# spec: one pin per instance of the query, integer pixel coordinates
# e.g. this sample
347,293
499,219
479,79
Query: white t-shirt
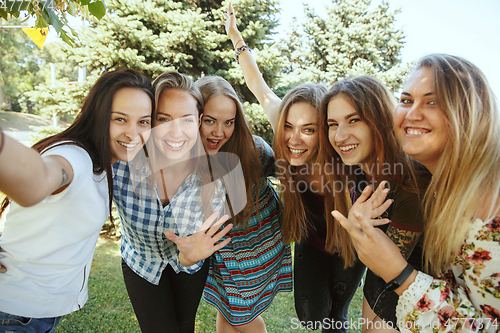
48,248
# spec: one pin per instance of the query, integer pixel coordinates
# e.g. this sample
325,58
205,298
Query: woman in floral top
448,119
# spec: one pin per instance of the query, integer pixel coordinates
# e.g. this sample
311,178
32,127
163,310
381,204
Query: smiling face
176,124
300,134
217,122
130,117
420,123
350,136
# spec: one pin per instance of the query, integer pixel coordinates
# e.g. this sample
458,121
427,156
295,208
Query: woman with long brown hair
324,283
245,275
359,115
447,119
60,193
166,199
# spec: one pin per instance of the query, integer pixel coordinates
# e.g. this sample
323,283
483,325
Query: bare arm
26,177
253,78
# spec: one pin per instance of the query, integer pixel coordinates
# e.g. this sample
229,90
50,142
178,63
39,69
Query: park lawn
108,308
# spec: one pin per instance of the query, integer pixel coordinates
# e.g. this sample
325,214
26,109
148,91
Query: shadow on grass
108,308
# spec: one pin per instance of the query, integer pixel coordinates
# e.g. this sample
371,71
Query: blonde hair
457,194
295,223
240,143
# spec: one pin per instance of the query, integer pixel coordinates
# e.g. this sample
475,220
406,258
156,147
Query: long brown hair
295,223
90,130
375,106
466,182
240,143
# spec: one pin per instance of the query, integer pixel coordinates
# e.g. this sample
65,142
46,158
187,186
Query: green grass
109,310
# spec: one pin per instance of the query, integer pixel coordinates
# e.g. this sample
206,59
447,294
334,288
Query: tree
161,35
20,62
351,39
61,100
52,12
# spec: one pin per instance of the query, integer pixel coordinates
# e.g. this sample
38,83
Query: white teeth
347,148
413,131
128,145
175,144
297,151
214,141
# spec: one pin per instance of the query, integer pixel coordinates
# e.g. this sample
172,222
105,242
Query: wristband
236,44
400,279
239,50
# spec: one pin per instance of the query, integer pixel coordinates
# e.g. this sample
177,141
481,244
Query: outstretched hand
375,249
203,243
230,23
372,206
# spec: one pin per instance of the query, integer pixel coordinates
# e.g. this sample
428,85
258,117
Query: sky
466,28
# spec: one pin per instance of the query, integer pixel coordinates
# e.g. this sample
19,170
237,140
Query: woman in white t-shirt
60,193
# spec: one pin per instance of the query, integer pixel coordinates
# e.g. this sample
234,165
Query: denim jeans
12,323
323,289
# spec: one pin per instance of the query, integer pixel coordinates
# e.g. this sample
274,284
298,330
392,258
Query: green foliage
351,39
258,122
61,99
113,228
41,132
20,62
53,13
155,36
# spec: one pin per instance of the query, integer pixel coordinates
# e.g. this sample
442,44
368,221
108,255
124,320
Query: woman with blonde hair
324,283
359,115
244,276
448,119
163,199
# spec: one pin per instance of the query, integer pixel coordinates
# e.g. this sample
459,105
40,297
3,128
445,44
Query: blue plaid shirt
144,246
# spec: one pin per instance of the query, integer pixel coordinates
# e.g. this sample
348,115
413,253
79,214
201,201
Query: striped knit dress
246,275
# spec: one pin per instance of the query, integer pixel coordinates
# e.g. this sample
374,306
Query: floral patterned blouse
467,297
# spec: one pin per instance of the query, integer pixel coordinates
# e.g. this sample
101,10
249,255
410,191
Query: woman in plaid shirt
163,198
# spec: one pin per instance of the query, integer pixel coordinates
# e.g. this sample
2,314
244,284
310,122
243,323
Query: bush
258,122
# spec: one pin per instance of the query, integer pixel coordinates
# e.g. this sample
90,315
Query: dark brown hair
90,130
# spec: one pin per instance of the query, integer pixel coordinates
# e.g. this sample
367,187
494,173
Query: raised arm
26,177
253,78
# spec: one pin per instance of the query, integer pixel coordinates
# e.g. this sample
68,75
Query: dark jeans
13,323
382,302
323,289
170,306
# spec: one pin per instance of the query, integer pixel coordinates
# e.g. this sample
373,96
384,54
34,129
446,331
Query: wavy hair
240,143
466,183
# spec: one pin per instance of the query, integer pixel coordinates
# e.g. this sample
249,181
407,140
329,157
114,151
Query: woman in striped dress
245,275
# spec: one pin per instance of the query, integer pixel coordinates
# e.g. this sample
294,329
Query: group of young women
176,155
